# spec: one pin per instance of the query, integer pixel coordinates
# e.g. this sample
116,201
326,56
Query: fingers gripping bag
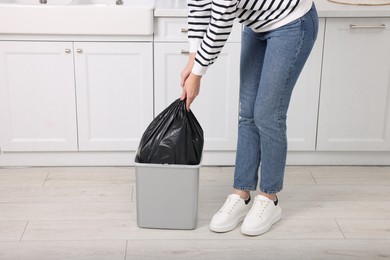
173,137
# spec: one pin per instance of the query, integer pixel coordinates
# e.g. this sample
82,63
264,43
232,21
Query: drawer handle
67,51
354,26
184,30
79,50
184,52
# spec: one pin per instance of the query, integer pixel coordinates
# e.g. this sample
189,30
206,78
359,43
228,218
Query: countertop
178,8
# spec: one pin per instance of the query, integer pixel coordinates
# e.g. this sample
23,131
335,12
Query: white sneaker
230,215
263,214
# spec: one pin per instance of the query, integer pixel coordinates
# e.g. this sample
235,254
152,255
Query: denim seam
293,64
289,73
312,21
244,188
270,192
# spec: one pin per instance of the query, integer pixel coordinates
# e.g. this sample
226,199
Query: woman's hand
189,82
191,89
187,69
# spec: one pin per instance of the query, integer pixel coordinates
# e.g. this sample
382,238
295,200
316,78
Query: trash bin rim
153,165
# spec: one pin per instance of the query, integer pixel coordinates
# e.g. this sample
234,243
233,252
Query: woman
277,38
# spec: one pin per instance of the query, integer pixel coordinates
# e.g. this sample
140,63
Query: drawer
175,30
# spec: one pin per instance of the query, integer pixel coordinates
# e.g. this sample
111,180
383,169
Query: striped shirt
210,23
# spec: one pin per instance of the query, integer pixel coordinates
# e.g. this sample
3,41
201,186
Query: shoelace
228,206
259,208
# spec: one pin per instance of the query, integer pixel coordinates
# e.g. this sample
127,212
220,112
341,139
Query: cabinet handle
67,50
184,30
354,26
79,51
184,52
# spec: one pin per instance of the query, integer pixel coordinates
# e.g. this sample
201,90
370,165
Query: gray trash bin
167,195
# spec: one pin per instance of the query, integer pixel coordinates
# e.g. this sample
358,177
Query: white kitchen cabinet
216,108
65,96
303,110
114,86
37,97
354,112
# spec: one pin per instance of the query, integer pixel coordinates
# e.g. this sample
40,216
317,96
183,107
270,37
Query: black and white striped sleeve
198,21
223,14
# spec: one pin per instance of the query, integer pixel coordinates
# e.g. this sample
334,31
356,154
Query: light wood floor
89,213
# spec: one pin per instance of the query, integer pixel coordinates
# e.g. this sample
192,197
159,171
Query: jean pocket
292,24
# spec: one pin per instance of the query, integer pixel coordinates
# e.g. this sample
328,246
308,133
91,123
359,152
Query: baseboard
210,158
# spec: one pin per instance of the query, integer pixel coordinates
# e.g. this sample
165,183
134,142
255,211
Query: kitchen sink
77,17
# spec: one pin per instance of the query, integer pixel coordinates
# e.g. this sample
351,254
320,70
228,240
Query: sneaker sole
226,228
261,230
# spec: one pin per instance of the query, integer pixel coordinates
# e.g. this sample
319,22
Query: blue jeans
270,66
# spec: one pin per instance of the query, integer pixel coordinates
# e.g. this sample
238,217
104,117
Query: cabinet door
37,97
303,110
114,83
355,91
216,108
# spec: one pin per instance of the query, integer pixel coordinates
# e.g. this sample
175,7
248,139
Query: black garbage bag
173,137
